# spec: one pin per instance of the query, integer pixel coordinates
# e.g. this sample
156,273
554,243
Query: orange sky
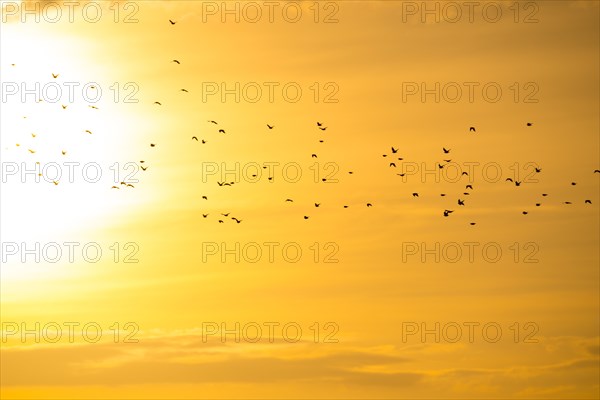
365,275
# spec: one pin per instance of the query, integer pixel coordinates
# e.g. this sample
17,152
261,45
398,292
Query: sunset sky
354,286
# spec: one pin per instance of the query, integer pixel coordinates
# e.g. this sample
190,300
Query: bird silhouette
469,187
401,174
194,138
205,215
440,166
573,183
529,124
115,187
394,151
525,213
306,217
55,76
415,194
517,183
313,156
176,61
588,202
183,90
64,153
568,202
172,22
447,212
270,127
144,168
447,161
88,131
538,204
471,223
289,200
225,214
236,220
205,198
472,129
152,145
538,170
393,164
212,122
544,194
319,124
369,205
323,128
203,141
156,102
317,204
64,107
221,130
221,221
446,151
461,202
597,171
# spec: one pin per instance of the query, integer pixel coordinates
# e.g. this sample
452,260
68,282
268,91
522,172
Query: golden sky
136,294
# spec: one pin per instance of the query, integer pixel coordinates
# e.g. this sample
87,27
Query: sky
245,200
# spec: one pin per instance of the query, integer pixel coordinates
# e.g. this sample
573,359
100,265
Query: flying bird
205,198
306,217
205,215
461,202
588,202
469,187
55,75
573,183
63,107
184,90
313,156
538,170
319,124
472,129
323,128
225,214
88,131
529,124
176,61
369,205
317,204
144,168
525,213
212,122
394,151
156,102
221,130
270,127
446,151
289,200
194,138
236,220
393,164
152,145
415,194
64,153
517,183
172,22
447,212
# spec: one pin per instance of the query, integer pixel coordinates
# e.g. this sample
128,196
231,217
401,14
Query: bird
94,107
394,151
525,213
221,130
55,183
447,212
440,166
317,204
55,75
144,168
588,202
152,145
33,135
270,126
345,206
461,202
544,194
225,214
313,156
538,204
205,215
464,173
221,221
32,151
184,90
88,131
176,61
517,183
350,172
194,138
323,128
567,202
573,183
529,124
212,122
469,187
157,102
289,200
115,187
509,180
130,185
401,174
385,155
64,153
64,107
471,223
369,205
319,124
236,220
205,198
320,141
306,217
393,164
538,170
172,22
472,129
597,171
447,160
442,194
446,151
415,194
203,141
467,193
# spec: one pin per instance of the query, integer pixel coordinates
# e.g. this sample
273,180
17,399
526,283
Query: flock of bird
460,201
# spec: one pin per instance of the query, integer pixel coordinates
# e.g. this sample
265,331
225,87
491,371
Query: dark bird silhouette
573,183
115,187
236,220
152,145
446,151
538,170
142,161
588,202
385,155
415,194
88,131
172,22
130,185
440,166
184,90
517,183
393,164
194,138
270,126
597,171
289,200
345,206
144,168
203,141
471,223
205,215
394,151
94,107
55,76
442,194
369,205
225,215
320,141
317,204
472,129
64,107
467,193
525,213
323,128
567,202
64,153
212,122
544,194
156,102
447,161
306,217
221,130
176,61
469,187
319,124
464,173
529,124
447,212
461,202
401,174
221,221
313,156
538,204
205,198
